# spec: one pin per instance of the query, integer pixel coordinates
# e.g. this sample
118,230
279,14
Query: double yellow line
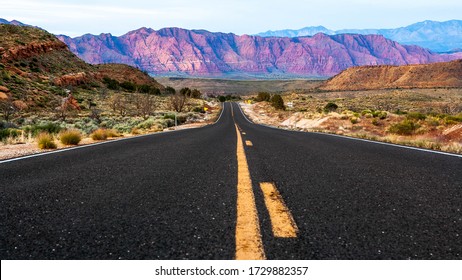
249,245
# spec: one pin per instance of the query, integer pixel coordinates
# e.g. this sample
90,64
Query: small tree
177,102
330,107
66,105
195,93
118,104
7,108
221,98
263,96
145,105
277,102
186,91
169,90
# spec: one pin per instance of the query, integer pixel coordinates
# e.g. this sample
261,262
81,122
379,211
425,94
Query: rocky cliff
175,51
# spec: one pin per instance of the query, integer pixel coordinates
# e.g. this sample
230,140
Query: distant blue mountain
434,35
13,22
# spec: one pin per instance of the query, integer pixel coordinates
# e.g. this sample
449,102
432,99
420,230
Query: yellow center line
282,222
248,143
249,245
243,133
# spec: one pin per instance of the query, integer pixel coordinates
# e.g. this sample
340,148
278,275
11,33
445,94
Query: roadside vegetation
426,118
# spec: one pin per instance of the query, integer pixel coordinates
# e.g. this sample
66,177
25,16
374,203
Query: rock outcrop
445,74
175,51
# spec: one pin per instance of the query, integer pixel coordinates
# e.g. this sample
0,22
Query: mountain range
437,36
180,52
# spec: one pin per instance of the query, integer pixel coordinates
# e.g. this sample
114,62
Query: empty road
233,190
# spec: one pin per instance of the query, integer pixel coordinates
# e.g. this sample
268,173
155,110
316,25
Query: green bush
128,86
9,132
330,107
405,127
169,90
354,120
221,98
365,112
277,102
416,116
456,118
147,124
111,83
52,128
46,141
70,137
263,96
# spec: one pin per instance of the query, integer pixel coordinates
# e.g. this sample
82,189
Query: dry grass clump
46,141
99,134
112,133
70,137
103,134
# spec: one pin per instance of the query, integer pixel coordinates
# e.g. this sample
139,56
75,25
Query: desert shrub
375,122
433,121
112,133
195,93
368,115
135,131
263,96
111,83
169,90
416,116
454,119
198,109
52,128
148,89
99,134
9,132
354,120
181,118
277,102
382,115
330,107
70,137
46,141
147,124
405,127
365,112
128,86
169,116
221,98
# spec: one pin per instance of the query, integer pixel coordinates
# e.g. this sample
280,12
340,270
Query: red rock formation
444,74
30,50
72,79
203,53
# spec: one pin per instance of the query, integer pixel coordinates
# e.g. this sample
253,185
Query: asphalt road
173,196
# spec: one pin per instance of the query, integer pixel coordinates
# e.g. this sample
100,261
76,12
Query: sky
75,18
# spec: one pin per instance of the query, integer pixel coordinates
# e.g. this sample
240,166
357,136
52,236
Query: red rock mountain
173,51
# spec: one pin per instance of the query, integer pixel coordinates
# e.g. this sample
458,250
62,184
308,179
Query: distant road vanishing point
233,190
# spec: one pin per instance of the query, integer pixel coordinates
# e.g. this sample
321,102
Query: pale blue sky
75,18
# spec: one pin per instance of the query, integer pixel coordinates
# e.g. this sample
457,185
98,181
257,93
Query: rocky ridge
435,75
176,51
